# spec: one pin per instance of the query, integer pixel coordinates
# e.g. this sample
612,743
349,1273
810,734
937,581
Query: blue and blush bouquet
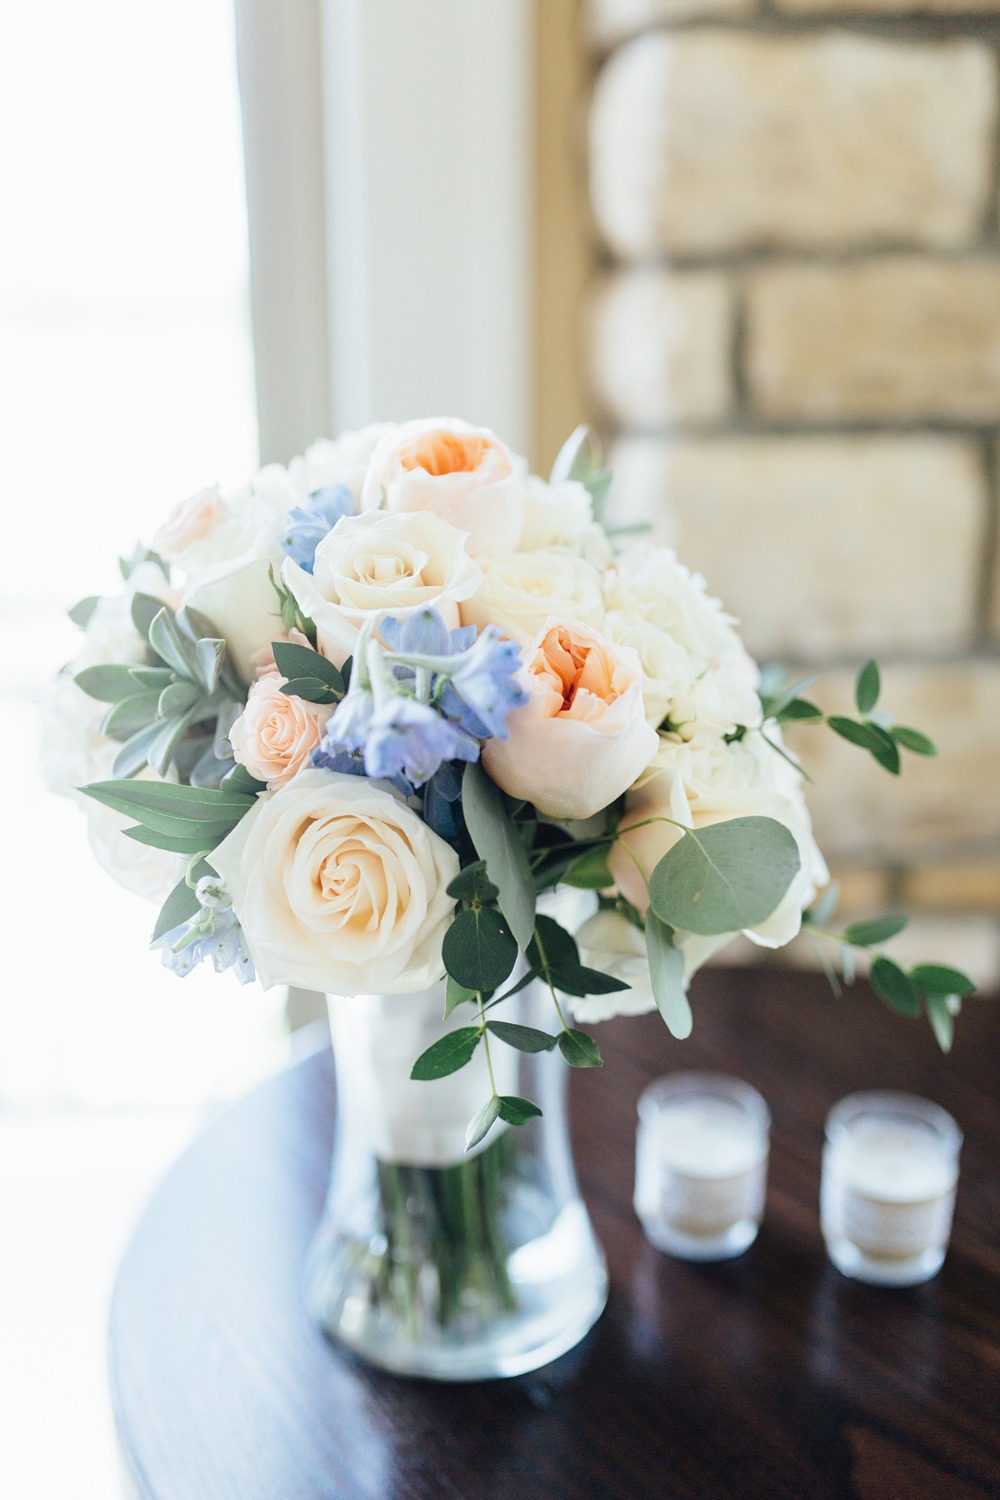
349,723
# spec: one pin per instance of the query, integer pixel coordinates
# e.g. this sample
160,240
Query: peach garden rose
582,738
465,474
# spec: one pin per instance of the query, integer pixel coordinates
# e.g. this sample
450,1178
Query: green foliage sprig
874,732
933,990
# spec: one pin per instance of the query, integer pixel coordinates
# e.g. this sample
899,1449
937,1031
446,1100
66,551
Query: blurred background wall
792,343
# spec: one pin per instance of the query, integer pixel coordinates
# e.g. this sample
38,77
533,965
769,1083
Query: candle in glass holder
701,1165
890,1167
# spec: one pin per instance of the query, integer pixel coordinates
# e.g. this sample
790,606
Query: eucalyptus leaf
579,1049
447,1055
180,906
294,661
724,877
472,884
913,740
517,1111
481,1122
666,971
498,842
893,986
523,1038
941,1020
877,930
455,994
939,979
479,949
552,945
867,687
309,688
576,979
591,871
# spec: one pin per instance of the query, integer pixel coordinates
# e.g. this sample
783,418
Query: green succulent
178,706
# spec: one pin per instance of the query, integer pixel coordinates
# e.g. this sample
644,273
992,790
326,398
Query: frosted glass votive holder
890,1168
701,1165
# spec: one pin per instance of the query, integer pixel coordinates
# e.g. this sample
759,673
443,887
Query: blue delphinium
307,524
427,700
214,933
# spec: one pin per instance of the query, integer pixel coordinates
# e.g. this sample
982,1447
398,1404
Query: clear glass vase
430,1261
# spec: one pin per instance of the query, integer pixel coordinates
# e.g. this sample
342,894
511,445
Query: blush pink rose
582,738
275,735
188,522
465,474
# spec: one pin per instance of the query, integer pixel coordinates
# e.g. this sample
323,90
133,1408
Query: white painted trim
280,74
428,169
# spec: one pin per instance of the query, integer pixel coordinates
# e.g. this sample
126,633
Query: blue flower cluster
423,703
214,933
307,524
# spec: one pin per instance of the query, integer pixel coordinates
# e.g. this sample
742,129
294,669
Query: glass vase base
553,1291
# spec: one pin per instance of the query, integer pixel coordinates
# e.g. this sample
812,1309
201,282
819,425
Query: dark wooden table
767,1376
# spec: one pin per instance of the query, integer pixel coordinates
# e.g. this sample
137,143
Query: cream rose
614,946
276,733
522,590
465,474
227,576
339,886
377,564
582,738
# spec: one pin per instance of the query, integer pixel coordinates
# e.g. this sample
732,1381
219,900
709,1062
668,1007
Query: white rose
651,582
614,946
343,461
465,474
668,670
227,576
339,886
554,514
521,590
380,564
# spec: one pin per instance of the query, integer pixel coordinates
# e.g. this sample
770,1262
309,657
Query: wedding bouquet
364,711
353,725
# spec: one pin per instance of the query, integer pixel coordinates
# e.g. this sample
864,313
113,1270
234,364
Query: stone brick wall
793,342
